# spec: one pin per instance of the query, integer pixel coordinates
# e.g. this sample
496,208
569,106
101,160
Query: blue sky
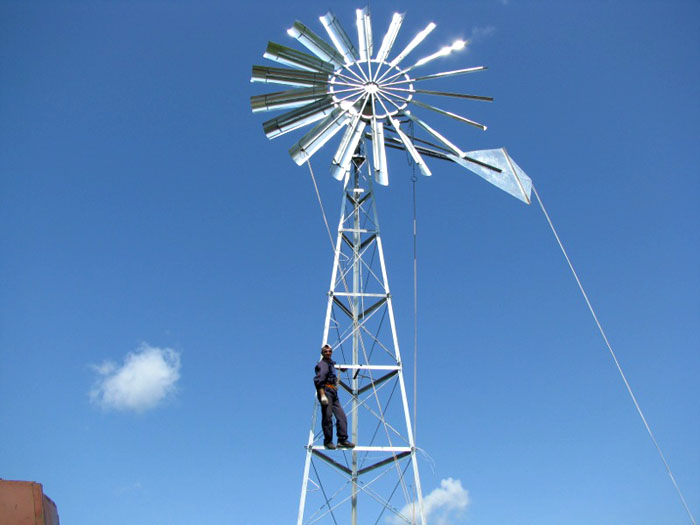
164,265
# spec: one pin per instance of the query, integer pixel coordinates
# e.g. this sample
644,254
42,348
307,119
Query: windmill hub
371,88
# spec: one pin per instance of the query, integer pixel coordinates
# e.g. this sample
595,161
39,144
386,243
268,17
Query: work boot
330,446
346,444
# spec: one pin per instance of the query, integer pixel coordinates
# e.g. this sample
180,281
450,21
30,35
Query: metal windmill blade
340,85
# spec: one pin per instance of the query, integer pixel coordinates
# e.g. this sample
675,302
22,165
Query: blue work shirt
325,373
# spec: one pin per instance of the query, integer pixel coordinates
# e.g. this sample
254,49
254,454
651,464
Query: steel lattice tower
359,324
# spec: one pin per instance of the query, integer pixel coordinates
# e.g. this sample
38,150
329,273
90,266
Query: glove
323,398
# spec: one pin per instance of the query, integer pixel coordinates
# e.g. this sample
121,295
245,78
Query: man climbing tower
326,383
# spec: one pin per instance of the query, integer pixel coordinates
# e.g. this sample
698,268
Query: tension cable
612,353
320,203
415,306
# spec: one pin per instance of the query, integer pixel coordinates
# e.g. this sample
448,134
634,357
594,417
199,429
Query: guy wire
320,203
617,363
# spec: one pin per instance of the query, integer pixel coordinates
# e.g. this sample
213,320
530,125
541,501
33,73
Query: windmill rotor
339,85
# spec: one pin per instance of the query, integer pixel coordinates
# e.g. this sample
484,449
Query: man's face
326,352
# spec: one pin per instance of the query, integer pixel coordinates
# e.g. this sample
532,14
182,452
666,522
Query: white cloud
147,377
481,33
129,489
443,506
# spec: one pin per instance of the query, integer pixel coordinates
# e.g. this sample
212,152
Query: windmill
370,96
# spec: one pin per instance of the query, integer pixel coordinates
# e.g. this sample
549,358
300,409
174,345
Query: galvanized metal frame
359,302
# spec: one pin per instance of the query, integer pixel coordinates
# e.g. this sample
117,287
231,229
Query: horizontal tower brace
373,307
344,308
317,452
368,367
390,459
364,243
331,461
372,384
360,294
360,448
367,241
377,382
361,315
358,201
356,230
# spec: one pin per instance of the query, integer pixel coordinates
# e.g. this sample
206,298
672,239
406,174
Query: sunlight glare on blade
457,45
339,37
413,43
364,33
390,37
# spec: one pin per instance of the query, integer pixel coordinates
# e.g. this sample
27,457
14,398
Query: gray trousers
333,408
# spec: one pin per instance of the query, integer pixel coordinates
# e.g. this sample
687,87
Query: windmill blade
449,114
511,178
289,77
420,144
407,142
315,44
318,136
297,118
444,74
430,149
339,37
364,33
292,57
413,43
381,174
390,37
348,145
442,93
437,135
456,95
292,98
411,148
442,52
395,143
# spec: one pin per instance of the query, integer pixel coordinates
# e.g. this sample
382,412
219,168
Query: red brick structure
24,503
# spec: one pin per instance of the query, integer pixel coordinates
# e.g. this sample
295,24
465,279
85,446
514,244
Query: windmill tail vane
368,95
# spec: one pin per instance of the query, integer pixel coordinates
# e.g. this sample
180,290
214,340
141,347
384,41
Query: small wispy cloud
133,488
147,377
443,506
481,33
